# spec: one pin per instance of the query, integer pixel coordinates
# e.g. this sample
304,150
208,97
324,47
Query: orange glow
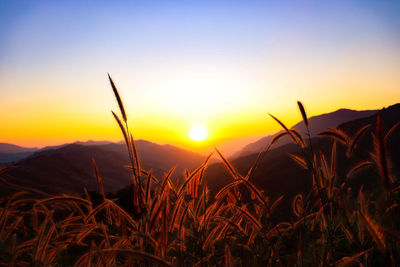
217,70
232,102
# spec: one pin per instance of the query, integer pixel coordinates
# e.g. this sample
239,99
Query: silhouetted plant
179,223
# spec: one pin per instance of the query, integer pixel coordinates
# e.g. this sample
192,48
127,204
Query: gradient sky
223,64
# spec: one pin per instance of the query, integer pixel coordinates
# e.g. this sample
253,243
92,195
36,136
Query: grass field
179,223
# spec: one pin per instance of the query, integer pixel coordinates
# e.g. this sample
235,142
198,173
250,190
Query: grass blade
120,104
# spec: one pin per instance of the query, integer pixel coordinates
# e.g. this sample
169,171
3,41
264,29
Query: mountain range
68,168
279,175
14,153
317,124
10,153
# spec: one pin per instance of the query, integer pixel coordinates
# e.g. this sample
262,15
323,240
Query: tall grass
179,223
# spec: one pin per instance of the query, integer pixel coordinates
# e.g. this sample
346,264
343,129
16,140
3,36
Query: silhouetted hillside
317,124
10,148
278,174
10,152
69,168
8,158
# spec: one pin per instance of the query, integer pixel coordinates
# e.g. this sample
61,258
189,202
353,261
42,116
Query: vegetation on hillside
179,223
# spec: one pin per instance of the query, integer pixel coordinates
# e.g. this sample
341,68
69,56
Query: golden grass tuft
303,112
119,100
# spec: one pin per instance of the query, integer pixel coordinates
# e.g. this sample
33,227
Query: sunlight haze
222,64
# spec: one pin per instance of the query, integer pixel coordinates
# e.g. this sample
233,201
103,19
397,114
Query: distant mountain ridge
83,143
317,124
13,153
10,153
69,168
11,148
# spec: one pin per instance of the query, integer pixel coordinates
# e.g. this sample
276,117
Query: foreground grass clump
179,223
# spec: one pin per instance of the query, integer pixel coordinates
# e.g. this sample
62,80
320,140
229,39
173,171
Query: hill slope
317,124
69,168
279,175
10,152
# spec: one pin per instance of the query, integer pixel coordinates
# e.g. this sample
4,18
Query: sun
198,133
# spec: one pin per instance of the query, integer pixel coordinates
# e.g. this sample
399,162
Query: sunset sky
220,64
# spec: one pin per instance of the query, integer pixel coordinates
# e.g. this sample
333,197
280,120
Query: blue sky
55,30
